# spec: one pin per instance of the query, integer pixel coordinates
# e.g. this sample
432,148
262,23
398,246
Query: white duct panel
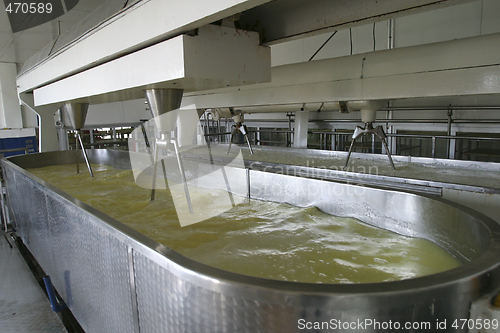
136,27
216,57
456,68
461,53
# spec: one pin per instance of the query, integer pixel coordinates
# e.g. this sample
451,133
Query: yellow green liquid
257,238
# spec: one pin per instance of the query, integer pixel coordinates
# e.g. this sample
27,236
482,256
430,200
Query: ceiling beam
282,20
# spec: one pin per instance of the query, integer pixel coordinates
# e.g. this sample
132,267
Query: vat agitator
115,279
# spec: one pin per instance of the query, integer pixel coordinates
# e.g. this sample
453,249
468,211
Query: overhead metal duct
453,68
120,34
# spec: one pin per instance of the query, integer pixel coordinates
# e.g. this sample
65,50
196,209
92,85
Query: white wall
10,111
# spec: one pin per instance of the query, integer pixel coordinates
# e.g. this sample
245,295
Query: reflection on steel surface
175,134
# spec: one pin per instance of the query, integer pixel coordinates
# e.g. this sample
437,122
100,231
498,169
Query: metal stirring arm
243,129
183,175
79,140
369,129
163,143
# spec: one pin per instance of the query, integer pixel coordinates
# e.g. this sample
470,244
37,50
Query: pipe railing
14,150
335,138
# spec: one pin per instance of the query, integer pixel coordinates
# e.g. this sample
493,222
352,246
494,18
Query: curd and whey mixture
263,239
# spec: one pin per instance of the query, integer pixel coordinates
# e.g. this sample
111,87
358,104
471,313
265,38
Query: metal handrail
324,133
13,150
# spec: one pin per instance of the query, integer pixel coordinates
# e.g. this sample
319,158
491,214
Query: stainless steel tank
115,279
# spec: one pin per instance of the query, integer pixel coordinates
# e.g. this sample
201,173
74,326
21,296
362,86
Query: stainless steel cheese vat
115,279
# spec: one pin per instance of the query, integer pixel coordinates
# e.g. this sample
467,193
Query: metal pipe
450,120
217,134
433,147
113,136
390,41
249,145
13,150
91,131
85,154
388,152
274,131
373,143
2,202
444,137
183,176
349,154
439,108
385,121
77,155
270,141
155,166
207,128
323,45
420,136
218,130
104,142
56,306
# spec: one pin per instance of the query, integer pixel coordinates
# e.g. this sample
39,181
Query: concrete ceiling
19,47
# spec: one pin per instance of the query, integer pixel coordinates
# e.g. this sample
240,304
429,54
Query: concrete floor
23,304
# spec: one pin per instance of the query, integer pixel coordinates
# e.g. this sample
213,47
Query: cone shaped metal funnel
74,115
162,101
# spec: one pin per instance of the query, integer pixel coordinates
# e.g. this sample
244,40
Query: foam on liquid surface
257,238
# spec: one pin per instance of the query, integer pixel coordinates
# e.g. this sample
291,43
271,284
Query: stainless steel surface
87,265
74,115
87,253
472,176
162,101
369,129
24,308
